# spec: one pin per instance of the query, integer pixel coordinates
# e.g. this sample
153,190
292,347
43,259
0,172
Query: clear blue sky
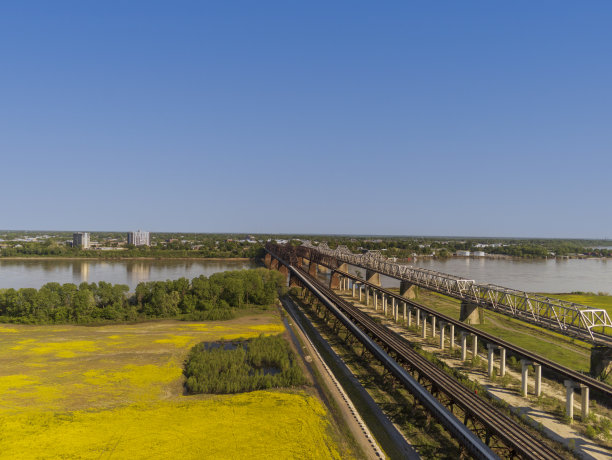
428,118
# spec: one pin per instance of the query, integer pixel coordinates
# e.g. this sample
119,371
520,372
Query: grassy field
571,353
117,392
592,300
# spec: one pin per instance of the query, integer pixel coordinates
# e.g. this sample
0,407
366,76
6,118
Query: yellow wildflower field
117,392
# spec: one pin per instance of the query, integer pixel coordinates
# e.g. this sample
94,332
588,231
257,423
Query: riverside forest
219,296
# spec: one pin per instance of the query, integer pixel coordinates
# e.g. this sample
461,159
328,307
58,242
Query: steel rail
552,365
466,437
509,432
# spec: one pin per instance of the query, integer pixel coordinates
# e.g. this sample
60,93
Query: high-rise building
80,240
139,238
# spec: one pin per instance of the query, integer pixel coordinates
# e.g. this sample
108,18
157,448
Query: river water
591,275
552,276
34,273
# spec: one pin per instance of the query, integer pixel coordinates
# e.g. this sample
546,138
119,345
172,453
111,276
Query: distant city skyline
445,118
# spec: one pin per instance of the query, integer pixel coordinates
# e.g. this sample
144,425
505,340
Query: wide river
35,273
592,275
553,276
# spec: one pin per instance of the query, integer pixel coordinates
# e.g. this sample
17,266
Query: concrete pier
538,378
373,277
407,290
584,401
418,317
424,331
395,309
490,359
375,295
409,314
524,376
474,345
442,327
452,336
469,313
502,361
354,289
433,326
569,399
367,289
360,292
463,346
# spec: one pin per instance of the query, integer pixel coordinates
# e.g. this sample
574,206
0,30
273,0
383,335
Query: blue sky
415,118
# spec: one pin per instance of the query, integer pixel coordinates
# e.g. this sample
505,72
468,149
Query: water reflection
80,272
137,272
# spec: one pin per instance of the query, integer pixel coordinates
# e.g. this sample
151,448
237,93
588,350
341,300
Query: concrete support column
490,359
463,346
396,309
502,361
384,303
433,326
418,317
452,336
360,292
469,313
584,401
353,289
424,331
407,290
373,277
375,295
569,399
367,289
474,346
442,327
524,376
409,313
538,378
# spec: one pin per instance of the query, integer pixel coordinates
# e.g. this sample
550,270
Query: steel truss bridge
564,317
492,433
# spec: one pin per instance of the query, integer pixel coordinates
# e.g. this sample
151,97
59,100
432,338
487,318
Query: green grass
591,300
570,353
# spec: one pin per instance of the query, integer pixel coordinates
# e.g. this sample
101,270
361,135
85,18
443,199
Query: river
34,273
590,275
553,276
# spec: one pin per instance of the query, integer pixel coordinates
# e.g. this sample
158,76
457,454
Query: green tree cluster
257,364
211,298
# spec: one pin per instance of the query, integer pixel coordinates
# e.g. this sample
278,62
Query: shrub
257,364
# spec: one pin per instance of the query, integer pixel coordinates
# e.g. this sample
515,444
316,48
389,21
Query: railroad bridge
565,318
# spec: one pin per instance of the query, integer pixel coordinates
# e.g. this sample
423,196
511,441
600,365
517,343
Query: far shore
106,259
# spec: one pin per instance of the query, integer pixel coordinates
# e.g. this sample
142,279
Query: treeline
224,249
441,248
213,298
257,364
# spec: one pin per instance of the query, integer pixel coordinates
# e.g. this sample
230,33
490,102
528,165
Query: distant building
479,254
463,253
139,238
80,240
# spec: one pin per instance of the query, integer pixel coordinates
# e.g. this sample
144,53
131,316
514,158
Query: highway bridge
492,433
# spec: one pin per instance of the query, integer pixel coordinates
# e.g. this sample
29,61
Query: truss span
565,317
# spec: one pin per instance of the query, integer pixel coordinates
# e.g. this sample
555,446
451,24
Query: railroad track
519,441
566,372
